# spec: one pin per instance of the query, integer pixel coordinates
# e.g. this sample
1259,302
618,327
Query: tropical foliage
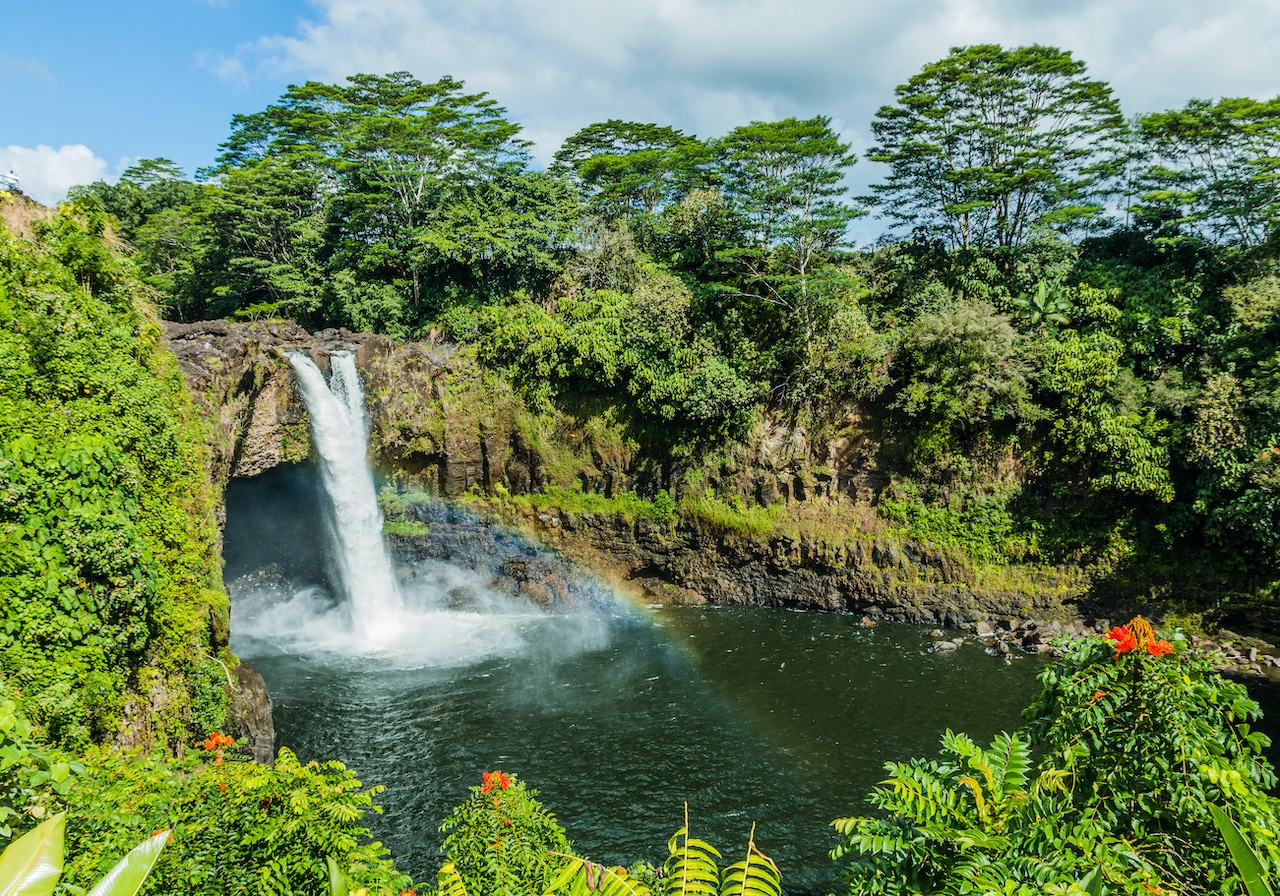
110,580
1139,744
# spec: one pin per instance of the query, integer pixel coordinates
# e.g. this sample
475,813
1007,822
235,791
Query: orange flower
217,740
494,778
1098,695
1138,635
1159,648
1122,639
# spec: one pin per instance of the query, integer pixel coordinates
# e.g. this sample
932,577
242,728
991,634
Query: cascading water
341,437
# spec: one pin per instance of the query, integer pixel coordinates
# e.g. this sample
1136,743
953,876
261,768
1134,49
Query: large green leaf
32,864
1247,861
755,875
126,878
338,884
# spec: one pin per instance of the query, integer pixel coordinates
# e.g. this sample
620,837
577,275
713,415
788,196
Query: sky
87,88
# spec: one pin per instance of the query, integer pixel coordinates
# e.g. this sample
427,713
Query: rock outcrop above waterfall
441,422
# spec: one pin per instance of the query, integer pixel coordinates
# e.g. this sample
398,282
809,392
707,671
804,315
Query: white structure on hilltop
9,181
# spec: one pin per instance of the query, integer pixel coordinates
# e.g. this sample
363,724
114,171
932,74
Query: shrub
1138,738
501,841
238,827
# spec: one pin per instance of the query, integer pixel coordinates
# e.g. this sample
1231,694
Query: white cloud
708,65
47,173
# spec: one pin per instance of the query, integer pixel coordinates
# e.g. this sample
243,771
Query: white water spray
341,438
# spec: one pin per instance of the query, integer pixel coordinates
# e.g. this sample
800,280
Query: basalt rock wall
443,424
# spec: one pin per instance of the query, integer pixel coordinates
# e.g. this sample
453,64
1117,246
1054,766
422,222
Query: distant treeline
1066,340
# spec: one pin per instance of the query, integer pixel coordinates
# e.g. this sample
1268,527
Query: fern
584,878
450,881
755,875
691,864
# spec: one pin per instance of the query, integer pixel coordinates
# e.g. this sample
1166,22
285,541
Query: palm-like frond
585,878
450,883
691,864
755,875
1010,761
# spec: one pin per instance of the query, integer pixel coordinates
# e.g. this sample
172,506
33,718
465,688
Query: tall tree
1214,170
147,187
784,179
405,147
625,168
988,143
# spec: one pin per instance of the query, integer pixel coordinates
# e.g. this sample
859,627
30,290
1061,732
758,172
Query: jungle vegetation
1067,337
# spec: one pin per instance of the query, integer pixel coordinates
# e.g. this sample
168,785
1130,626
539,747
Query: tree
987,144
397,163
1214,170
784,179
405,147
147,188
624,168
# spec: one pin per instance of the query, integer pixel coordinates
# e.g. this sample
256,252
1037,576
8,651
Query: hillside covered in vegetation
113,625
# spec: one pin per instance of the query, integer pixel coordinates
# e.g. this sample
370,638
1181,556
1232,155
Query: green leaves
691,865
630,169
127,877
755,875
582,877
501,842
104,492
32,864
691,869
1212,171
1246,860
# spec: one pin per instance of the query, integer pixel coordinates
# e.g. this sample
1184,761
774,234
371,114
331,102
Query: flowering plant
1138,635
215,744
501,840
494,779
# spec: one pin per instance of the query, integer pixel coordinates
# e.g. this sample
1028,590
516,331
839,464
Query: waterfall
341,437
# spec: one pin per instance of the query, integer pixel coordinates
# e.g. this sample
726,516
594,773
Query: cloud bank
708,65
47,173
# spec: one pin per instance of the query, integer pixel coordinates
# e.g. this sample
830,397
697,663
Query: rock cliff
441,424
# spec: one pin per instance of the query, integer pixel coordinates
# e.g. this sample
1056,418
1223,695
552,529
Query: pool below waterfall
619,715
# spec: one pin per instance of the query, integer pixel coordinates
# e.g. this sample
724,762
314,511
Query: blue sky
88,87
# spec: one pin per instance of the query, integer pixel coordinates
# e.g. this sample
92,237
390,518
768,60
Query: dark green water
620,716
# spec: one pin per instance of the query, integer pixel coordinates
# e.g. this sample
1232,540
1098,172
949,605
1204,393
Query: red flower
1159,648
217,740
495,778
1123,639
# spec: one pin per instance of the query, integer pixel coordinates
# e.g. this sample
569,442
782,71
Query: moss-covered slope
112,614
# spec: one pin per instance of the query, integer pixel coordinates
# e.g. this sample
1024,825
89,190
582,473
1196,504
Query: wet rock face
249,715
240,378
687,566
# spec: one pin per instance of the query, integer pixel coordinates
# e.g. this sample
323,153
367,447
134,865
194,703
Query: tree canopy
987,144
